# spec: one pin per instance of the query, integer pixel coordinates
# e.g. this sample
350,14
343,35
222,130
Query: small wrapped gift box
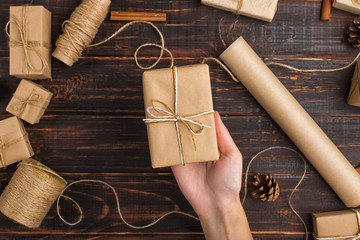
352,6
179,115
29,101
354,94
260,9
30,39
339,224
14,142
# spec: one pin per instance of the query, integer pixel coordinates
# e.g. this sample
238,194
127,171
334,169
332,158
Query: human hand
213,189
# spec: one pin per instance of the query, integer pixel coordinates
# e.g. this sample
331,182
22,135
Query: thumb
225,142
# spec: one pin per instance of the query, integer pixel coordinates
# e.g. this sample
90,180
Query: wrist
226,222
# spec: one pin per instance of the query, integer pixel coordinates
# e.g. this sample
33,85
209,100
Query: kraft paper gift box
352,6
14,142
30,39
174,133
29,101
343,224
354,94
260,9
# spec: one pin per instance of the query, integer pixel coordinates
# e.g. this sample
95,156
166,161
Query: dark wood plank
110,86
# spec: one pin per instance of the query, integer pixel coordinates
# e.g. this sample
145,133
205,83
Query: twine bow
4,145
351,237
33,99
166,114
25,43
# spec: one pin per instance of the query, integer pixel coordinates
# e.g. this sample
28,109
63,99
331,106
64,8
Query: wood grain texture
93,127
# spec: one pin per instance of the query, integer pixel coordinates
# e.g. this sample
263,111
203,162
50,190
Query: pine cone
354,33
264,187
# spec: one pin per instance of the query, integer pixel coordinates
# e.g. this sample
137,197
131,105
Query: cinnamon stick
326,10
137,16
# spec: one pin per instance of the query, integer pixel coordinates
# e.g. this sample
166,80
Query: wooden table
93,127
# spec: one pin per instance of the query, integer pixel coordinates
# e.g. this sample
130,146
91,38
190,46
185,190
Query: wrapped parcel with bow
29,42
179,115
29,101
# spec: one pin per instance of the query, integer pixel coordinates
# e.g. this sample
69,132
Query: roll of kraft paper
294,120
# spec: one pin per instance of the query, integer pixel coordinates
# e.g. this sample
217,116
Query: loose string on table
117,205
25,43
315,70
351,237
79,31
166,114
294,189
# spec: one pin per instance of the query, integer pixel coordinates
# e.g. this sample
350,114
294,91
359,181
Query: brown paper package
335,224
354,93
352,6
34,24
294,120
14,142
194,97
29,102
259,9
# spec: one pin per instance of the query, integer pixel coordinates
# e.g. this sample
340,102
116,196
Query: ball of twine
80,30
30,193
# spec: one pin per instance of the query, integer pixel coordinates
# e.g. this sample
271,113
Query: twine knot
166,114
33,99
25,43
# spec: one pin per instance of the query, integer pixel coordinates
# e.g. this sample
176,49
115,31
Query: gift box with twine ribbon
29,101
259,9
29,42
14,142
179,115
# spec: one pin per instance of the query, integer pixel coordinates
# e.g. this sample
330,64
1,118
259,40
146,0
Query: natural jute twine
81,28
172,212
293,190
34,188
30,193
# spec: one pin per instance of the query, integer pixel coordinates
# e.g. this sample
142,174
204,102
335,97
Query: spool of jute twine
30,193
34,188
80,30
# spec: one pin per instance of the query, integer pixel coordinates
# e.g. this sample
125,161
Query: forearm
228,223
